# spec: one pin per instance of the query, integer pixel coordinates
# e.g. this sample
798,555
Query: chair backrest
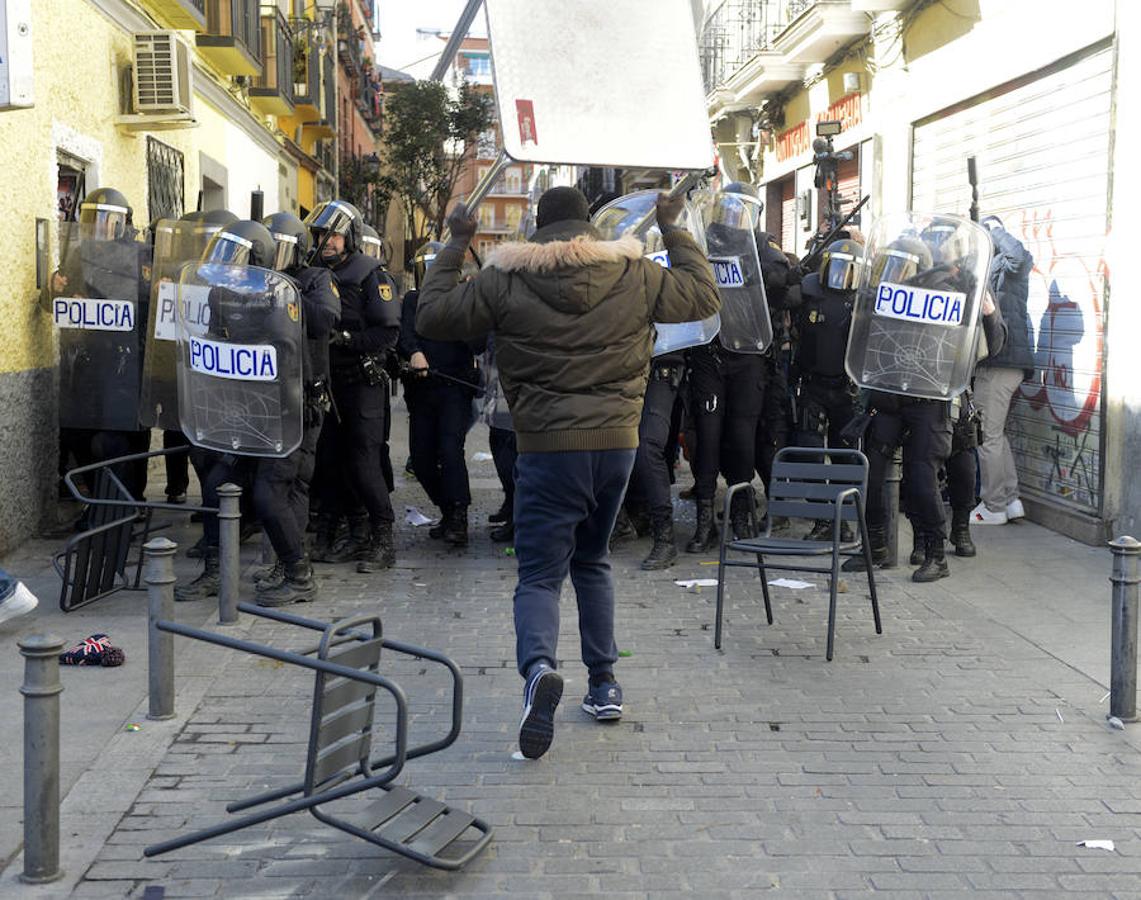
95,560
340,730
807,480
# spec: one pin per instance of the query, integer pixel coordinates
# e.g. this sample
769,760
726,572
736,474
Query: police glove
669,209
461,223
339,338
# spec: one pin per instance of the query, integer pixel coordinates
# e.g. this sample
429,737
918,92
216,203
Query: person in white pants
997,378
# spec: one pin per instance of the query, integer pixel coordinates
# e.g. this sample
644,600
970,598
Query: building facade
176,103
1029,88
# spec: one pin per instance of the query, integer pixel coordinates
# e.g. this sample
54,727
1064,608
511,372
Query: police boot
664,552
269,578
641,521
380,552
918,552
206,585
455,527
739,517
623,529
961,532
355,545
297,586
323,539
877,544
821,531
436,532
505,532
705,536
934,564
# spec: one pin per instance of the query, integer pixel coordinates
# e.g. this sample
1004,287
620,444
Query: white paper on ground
1097,845
415,518
481,456
697,582
791,583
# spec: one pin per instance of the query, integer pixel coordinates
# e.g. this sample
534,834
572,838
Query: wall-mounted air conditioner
162,83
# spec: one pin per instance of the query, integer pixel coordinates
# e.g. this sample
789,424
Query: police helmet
424,259
946,244
371,245
104,215
291,238
741,187
900,261
840,265
243,243
337,217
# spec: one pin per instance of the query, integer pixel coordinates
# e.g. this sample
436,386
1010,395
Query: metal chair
807,483
93,562
341,729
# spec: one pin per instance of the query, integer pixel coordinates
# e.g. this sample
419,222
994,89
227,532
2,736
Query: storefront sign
794,141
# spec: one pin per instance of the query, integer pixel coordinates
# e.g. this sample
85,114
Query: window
514,214
478,65
486,216
514,181
165,181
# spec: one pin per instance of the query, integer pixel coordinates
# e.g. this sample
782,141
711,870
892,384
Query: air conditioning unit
162,83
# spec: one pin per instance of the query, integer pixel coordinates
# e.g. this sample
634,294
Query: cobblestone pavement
964,751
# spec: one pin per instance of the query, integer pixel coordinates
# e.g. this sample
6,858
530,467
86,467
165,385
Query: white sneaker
980,515
15,599
1015,510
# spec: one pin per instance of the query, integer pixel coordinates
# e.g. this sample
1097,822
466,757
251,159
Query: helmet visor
102,221
228,248
896,266
330,217
840,271
370,246
284,251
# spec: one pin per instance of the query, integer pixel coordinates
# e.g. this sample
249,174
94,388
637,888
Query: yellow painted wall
76,94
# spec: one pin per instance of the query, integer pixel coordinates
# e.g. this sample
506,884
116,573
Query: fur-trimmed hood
576,253
566,266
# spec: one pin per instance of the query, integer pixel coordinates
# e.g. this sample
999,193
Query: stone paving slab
963,753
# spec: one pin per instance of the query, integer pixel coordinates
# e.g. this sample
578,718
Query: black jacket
823,322
1010,282
321,312
453,358
370,313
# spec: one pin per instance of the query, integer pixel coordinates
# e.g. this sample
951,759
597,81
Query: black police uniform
351,439
440,413
649,488
827,397
782,289
281,486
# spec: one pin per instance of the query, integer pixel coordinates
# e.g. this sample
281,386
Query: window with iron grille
166,196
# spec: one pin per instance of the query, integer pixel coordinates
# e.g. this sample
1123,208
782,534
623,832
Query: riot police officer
439,383
351,441
728,384
281,486
241,243
101,371
826,396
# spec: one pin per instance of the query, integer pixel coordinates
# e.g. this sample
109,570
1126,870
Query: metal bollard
41,690
229,539
159,556
1123,639
892,478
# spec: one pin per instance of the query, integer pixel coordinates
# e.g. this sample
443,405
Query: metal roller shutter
1043,153
788,214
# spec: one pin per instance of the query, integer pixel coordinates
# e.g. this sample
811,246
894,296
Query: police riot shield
915,324
240,343
729,222
96,298
177,243
622,217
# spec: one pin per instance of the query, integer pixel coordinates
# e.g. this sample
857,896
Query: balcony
818,28
189,14
272,91
351,50
232,41
370,101
306,71
325,126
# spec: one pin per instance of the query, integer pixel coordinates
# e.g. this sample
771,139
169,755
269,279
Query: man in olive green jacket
573,321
